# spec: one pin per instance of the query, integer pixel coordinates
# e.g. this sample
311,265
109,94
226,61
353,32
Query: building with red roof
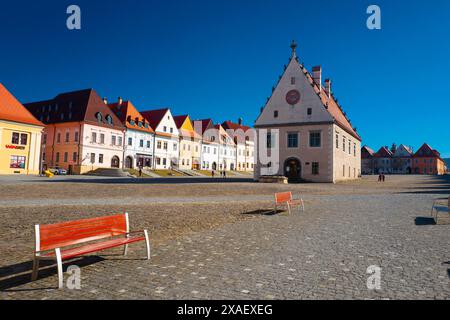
81,132
166,149
428,161
190,143
243,137
307,134
139,135
20,137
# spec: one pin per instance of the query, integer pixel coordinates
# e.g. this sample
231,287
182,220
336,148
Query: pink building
81,133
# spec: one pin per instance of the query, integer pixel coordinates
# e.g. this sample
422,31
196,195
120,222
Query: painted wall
9,150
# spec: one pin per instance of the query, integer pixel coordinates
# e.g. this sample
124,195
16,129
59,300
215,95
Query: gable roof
200,126
367,153
329,102
75,106
236,127
425,151
12,110
402,148
383,153
154,117
180,121
130,117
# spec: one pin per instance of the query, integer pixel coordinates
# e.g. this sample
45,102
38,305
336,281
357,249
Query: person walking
224,174
212,173
140,171
383,177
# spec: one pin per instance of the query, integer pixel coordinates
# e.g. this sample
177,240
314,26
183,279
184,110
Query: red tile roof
383,153
75,106
367,153
425,151
12,110
130,117
205,124
154,117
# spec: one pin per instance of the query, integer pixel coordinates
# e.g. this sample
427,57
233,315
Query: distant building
367,160
166,153
428,161
210,144
227,149
383,161
243,137
190,143
81,133
401,159
139,136
307,130
20,137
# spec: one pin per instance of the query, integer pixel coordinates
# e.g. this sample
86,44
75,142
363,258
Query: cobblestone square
213,239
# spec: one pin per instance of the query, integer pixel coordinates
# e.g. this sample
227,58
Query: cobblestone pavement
322,253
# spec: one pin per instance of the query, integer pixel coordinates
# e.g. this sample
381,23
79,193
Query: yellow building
190,144
20,137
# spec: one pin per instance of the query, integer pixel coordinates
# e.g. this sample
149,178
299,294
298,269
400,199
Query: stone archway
129,162
115,162
293,169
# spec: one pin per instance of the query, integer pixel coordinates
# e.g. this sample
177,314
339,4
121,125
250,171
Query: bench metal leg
60,268
289,208
303,205
147,242
125,249
34,275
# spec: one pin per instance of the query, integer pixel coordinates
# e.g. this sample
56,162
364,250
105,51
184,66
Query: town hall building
302,131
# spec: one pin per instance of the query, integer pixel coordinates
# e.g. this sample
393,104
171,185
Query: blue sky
219,59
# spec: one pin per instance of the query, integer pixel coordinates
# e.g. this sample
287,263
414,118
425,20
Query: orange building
428,161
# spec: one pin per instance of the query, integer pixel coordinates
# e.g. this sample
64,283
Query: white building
139,136
166,149
209,156
227,150
243,137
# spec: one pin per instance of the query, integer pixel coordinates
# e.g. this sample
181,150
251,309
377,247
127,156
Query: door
115,162
293,169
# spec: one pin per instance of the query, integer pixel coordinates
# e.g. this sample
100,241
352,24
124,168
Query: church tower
302,131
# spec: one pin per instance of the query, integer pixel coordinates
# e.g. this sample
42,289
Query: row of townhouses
80,132
402,160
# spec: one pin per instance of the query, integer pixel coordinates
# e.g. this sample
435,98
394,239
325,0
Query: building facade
166,150
139,136
401,159
383,161
303,133
20,137
190,144
209,157
81,133
367,160
428,161
243,137
227,149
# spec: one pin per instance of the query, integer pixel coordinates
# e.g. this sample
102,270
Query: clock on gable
293,97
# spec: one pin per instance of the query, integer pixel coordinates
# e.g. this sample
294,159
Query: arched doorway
232,166
293,169
129,162
115,162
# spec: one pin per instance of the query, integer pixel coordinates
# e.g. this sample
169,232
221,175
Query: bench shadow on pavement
264,212
19,274
424,221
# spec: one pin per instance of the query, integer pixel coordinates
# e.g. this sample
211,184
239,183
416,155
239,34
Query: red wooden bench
66,240
285,198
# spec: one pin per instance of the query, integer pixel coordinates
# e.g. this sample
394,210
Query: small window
94,138
314,139
113,140
141,143
23,139
67,136
74,157
292,80
92,157
269,140
292,140
102,138
165,146
15,138
58,137
99,116
164,128
76,136
119,142
309,111
148,144
57,157
315,168
130,141
100,158
275,114
66,156
337,141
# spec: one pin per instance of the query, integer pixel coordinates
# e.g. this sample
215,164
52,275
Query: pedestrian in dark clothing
224,174
140,171
212,173
379,177
383,177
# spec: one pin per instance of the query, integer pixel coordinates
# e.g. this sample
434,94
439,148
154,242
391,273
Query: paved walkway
320,254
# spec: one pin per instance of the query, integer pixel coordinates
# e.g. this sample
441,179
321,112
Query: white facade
101,147
166,151
227,156
209,156
138,149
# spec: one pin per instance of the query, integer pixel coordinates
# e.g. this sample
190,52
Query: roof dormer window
99,116
109,119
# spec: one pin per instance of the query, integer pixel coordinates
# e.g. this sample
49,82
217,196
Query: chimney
119,101
328,87
240,121
317,76
105,101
